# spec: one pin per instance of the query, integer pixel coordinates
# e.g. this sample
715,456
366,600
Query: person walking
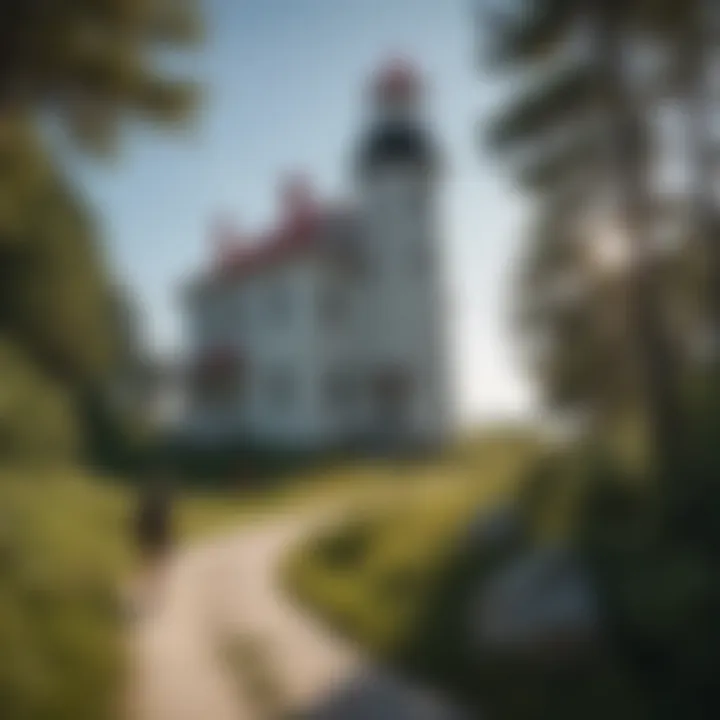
154,537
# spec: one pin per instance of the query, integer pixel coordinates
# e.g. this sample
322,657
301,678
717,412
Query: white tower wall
404,326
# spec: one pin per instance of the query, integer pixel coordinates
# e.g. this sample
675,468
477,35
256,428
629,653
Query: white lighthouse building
329,328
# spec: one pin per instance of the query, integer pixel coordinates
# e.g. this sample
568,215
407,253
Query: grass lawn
207,512
374,574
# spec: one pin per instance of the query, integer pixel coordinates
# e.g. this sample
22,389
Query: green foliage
544,26
394,577
554,134
62,337
61,554
241,463
116,437
615,342
92,65
378,574
604,337
24,168
37,419
657,587
566,95
54,290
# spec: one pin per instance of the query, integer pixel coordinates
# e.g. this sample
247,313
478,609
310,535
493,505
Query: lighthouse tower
397,173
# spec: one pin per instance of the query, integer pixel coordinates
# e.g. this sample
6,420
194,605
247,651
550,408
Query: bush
379,574
399,582
36,414
236,463
60,556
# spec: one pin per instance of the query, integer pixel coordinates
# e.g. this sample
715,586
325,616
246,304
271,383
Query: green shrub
37,417
379,574
61,553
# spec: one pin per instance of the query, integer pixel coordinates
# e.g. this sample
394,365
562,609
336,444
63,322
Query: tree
570,312
56,329
581,137
89,63
87,66
54,295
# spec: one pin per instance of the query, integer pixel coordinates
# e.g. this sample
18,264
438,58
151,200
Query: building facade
330,328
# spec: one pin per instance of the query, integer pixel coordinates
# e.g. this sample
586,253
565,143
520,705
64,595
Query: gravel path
227,589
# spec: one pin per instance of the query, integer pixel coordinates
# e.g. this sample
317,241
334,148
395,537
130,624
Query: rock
542,600
496,530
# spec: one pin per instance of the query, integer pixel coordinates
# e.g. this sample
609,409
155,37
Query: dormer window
281,388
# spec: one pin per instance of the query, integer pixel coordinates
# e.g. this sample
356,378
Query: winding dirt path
228,588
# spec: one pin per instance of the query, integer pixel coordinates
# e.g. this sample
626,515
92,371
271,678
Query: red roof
297,232
398,79
241,259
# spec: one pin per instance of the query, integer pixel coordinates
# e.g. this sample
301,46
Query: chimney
397,82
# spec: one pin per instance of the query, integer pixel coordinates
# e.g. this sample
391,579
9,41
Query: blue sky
284,90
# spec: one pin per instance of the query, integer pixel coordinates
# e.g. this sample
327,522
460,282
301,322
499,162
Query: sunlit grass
372,573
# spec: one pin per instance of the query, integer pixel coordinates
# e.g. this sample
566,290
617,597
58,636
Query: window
392,388
217,380
352,260
339,391
333,305
281,388
215,322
